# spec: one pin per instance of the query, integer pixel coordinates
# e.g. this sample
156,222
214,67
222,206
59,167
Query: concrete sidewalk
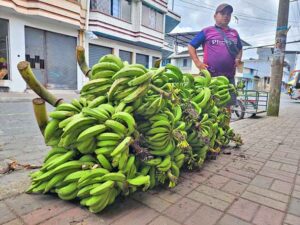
257,184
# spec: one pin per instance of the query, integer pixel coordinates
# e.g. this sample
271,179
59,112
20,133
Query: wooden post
278,58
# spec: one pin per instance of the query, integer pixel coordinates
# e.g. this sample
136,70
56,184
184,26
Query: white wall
16,54
17,25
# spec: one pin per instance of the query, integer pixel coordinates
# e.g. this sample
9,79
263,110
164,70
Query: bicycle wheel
254,107
239,109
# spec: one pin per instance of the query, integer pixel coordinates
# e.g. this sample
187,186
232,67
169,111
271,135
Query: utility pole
278,58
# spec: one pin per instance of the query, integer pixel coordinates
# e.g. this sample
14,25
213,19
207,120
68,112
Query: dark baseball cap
223,6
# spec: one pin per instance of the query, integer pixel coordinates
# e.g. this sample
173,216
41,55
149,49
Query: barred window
116,8
152,18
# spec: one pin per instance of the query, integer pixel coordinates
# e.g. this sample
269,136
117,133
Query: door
126,56
96,52
61,61
142,59
52,57
35,52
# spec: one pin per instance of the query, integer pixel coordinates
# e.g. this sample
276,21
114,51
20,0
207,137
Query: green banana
140,91
98,172
109,136
113,59
102,188
76,123
61,159
94,84
141,79
67,107
122,146
91,132
103,74
127,118
113,177
104,162
140,180
50,129
114,87
104,66
97,101
116,126
153,162
128,72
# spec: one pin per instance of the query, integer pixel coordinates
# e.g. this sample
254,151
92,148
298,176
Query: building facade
257,72
46,33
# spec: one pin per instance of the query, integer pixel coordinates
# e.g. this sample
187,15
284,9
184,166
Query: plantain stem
80,52
29,77
160,91
40,113
139,151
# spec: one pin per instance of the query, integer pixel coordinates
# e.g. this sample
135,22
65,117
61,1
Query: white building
46,32
261,68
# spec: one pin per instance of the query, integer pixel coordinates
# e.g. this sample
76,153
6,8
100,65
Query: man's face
223,17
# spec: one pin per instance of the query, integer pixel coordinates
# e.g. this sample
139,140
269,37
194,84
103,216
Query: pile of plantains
132,128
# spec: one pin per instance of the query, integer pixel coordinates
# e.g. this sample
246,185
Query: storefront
52,58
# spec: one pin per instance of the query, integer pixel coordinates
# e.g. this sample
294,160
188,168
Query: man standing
222,47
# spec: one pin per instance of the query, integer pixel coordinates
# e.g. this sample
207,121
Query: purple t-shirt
215,53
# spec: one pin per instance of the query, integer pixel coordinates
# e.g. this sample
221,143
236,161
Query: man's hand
238,62
202,66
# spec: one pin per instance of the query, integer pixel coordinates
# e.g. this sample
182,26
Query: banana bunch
221,89
130,83
168,74
54,171
151,105
96,87
99,188
61,116
107,67
124,113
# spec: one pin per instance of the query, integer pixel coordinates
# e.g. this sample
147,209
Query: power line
262,46
255,6
240,15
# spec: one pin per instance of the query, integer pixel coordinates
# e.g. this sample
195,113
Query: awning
183,39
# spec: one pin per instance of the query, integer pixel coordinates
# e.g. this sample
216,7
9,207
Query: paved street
257,184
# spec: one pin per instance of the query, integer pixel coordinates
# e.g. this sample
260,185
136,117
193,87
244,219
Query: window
154,59
165,62
116,8
142,59
125,56
103,6
159,21
152,18
4,54
126,10
184,62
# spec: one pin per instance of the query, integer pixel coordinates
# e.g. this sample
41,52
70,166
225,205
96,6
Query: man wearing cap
222,47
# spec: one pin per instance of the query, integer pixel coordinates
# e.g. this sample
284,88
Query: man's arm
192,47
238,58
193,53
